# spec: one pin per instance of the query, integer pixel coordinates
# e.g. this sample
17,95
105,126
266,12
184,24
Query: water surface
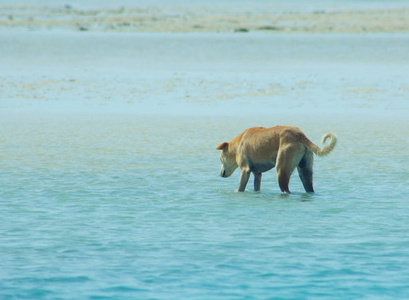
109,185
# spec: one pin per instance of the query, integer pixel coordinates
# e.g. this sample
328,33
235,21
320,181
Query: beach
110,115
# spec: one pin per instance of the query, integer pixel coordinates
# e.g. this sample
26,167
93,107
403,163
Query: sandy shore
203,19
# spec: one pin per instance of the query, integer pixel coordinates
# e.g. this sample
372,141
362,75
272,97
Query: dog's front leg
257,181
244,178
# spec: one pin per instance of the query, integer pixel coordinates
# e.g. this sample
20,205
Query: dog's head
228,160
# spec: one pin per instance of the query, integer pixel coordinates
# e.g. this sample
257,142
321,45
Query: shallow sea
109,184
294,5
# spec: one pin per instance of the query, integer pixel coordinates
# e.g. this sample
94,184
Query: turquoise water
109,185
125,207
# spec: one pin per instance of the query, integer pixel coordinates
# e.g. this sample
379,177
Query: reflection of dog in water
259,149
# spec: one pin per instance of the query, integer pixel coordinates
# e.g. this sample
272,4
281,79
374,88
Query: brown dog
259,149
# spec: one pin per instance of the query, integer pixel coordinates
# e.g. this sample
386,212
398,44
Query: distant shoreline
203,20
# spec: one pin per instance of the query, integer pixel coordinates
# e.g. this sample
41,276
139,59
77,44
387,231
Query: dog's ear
222,146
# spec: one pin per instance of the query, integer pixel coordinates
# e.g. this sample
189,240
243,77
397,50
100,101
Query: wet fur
260,149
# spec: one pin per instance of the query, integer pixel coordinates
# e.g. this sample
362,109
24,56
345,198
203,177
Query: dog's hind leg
305,171
283,180
244,178
288,159
257,181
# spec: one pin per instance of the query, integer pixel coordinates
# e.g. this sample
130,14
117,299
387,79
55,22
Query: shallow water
128,207
236,5
109,183
207,74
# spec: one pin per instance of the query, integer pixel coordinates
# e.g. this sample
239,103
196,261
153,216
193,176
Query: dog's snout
222,172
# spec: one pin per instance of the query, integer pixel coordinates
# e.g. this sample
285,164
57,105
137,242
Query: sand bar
203,19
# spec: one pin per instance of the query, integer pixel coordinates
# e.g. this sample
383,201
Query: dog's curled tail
328,148
322,151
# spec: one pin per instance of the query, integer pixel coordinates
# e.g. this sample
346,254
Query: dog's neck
232,149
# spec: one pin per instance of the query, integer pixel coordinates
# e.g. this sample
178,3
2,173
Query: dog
260,149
